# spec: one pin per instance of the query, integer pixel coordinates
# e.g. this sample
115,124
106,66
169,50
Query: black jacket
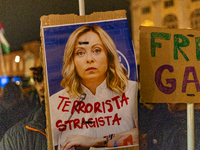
28,134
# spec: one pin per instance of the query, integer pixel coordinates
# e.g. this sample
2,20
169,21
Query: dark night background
21,18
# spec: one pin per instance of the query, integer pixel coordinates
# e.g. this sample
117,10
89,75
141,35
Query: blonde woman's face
90,58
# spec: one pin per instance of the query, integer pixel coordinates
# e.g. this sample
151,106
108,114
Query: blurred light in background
17,59
3,81
147,23
17,80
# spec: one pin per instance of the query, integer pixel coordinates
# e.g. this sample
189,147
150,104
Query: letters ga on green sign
169,65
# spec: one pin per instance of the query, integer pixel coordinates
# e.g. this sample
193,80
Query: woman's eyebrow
81,43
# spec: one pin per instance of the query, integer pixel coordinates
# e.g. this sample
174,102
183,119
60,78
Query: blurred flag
4,43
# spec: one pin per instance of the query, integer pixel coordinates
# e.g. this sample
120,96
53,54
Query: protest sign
72,106
169,65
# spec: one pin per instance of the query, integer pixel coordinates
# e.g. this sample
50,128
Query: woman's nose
90,58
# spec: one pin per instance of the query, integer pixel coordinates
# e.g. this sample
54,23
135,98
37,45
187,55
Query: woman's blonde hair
116,74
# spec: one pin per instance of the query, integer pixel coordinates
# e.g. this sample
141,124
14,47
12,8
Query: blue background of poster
55,39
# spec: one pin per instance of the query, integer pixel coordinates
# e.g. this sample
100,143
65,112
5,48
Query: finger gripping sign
91,80
169,65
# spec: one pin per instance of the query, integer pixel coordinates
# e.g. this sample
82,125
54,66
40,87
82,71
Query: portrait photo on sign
92,85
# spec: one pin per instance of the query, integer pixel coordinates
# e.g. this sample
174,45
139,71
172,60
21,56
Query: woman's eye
97,50
79,53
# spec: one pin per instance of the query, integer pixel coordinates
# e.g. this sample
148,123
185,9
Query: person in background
37,95
12,109
30,132
170,133
28,89
11,96
152,119
174,135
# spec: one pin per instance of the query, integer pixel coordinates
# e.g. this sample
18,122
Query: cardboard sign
169,65
98,113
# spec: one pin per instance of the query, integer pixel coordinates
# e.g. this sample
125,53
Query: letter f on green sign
158,35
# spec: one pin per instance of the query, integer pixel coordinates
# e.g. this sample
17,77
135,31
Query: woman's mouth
90,69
